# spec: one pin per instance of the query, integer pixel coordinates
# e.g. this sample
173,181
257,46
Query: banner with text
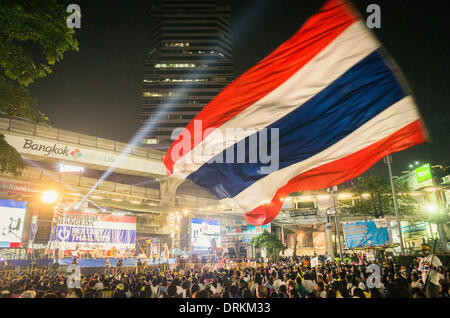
90,231
74,153
368,233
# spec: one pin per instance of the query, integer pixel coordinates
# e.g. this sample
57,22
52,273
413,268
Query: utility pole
336,224
388,161
441,220
330,248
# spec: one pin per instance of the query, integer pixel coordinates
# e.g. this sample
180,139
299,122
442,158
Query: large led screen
203,232
12,217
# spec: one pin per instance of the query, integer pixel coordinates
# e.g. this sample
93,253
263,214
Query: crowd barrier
18,273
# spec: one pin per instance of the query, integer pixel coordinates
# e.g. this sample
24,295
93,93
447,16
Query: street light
432,208
49,197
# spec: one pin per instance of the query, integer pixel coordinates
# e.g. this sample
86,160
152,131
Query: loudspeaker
44,224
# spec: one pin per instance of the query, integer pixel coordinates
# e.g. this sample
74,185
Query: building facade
189,61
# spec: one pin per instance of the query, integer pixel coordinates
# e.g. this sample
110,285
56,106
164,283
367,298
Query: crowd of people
291,277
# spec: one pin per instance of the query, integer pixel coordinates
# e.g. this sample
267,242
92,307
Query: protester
429,265
282,278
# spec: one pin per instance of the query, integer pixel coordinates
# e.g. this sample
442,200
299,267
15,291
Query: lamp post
413,165
388,161
436,213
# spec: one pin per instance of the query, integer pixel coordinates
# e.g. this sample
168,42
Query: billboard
203,232
368,233
90,231
423,173
252,229
12,217
249,229
417,227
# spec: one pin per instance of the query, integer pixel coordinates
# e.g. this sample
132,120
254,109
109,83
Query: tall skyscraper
189,61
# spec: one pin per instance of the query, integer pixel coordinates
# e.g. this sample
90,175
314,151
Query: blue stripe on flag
364,91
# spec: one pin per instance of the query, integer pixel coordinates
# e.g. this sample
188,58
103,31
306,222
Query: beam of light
149,126
37,166
143,131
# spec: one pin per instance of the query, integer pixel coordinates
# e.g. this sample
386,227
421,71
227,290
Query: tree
33,37
374,197
268,241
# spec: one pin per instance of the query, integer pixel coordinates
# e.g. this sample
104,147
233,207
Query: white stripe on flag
353,45
386,123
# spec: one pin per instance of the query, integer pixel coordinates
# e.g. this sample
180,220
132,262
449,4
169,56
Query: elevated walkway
43,143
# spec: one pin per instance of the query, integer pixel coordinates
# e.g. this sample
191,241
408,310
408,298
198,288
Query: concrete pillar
329,238
443,237
167,190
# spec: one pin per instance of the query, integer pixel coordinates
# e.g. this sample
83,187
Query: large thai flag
336,99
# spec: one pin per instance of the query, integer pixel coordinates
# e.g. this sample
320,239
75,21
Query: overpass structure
43,146
47,144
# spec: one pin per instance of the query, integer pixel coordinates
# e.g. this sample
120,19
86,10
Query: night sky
97,90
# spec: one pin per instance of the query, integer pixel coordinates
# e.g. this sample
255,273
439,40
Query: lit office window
176,44
184,65
175,80
152,141
152,94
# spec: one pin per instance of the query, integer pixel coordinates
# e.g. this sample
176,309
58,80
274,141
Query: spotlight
432,208
49,196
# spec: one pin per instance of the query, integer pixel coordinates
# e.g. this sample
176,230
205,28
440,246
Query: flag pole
431,265
388,161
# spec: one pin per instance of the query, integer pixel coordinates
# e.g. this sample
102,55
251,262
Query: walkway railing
25,128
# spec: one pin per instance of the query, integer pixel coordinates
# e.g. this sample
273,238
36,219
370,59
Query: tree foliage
33,37
374,197
268,241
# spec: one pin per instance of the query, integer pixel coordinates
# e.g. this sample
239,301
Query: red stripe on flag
316,34
339,171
